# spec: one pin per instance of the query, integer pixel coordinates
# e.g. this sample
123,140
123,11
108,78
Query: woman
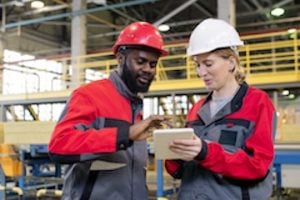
231,154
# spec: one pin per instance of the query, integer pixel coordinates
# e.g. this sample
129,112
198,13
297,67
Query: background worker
100,131
230,157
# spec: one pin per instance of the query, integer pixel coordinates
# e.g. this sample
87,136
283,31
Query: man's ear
119,58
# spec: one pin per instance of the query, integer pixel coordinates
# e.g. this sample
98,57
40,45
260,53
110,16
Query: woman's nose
201,71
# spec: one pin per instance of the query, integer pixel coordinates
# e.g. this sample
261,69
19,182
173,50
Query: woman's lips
207,81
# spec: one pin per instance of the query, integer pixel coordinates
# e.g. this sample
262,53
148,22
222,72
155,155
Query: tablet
163,137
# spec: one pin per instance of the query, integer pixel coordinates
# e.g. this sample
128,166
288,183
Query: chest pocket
230,133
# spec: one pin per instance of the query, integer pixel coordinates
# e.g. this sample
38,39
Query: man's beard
130,79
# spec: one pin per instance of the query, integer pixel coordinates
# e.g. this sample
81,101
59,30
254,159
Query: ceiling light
292,33
99,2
285,92
37,4
291,30
277,12
291,96
163,27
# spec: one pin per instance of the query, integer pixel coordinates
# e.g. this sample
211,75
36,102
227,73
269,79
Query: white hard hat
212,34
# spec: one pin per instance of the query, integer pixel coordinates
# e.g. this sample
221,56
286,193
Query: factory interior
50,47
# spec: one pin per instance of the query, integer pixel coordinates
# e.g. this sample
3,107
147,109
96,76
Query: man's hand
143,129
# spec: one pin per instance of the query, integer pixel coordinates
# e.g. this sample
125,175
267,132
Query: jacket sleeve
174,168
76,136
253,162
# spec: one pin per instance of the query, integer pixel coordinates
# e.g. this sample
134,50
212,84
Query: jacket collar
123,89
234,105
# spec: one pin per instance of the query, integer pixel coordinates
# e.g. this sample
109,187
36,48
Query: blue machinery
37,158
285,154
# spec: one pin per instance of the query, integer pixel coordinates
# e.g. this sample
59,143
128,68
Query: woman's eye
208,64
196,65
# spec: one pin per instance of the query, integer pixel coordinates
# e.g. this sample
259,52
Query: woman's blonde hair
238,71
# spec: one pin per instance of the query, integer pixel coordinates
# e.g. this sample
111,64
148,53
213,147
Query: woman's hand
188,149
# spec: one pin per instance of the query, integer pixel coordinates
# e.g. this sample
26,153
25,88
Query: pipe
43,192
76,13
17,190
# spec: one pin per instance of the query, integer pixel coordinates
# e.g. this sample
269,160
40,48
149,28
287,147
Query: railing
269,58
265,57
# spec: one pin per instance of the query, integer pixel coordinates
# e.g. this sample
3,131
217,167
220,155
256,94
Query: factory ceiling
47,31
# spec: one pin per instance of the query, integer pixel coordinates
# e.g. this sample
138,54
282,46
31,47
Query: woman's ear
232,63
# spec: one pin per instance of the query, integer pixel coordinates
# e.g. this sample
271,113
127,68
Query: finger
194,149
186,155
149,131
187,142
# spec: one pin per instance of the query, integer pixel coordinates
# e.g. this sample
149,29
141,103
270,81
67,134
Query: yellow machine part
9,161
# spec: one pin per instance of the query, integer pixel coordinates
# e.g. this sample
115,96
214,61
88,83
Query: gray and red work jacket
92,136
235,162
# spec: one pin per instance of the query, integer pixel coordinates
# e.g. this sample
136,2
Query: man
101,132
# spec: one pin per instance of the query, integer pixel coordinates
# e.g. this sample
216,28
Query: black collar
237,101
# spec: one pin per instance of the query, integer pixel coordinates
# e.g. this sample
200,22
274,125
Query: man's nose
148,68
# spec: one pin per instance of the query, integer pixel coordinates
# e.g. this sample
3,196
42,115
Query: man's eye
141,61
153,64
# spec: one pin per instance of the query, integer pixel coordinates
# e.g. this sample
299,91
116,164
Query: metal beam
32,112
203,10
79,12
277,21
282,3
266,9
41,10
174,12
124,15
89,15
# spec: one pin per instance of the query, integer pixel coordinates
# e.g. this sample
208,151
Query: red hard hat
140,33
